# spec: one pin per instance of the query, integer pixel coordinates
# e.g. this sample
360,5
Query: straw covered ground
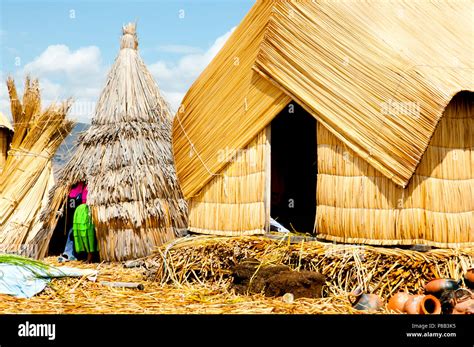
192,275
80,296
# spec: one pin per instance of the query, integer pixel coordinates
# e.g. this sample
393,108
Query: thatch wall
357,204
234,202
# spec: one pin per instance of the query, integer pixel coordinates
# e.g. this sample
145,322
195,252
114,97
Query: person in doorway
68,254
84,232
76,197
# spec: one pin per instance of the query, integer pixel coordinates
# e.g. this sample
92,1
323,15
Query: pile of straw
27,175
81,296
196,279
382,271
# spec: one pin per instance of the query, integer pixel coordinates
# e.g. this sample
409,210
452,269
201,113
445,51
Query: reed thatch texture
233,203
27,176
126,159
378,76
6,131
348,64
226,107
356,204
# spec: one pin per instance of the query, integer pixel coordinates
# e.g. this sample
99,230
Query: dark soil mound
276,280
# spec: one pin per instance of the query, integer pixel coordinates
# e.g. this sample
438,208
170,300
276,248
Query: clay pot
465,307
422,304
397,301
412,305
439,285
463,302
469,278
430,305
366,302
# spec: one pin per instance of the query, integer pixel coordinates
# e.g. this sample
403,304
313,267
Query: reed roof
377,74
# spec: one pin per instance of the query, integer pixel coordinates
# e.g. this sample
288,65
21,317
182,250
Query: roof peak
129,36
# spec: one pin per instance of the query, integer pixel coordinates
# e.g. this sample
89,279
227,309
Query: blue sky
70,45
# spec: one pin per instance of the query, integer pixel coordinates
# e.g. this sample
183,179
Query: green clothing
83,229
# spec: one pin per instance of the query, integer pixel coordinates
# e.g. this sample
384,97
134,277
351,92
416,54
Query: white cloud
50,91
4,99
80,74
174,79
173,98
66,73
57,59
180,49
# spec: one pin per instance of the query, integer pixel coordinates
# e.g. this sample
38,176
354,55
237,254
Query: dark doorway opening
59,236
63,231
294,169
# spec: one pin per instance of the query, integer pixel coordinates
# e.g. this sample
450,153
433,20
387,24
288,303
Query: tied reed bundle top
129,38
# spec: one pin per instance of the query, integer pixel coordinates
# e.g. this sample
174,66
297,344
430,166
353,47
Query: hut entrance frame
293,169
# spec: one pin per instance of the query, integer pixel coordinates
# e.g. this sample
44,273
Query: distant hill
68,146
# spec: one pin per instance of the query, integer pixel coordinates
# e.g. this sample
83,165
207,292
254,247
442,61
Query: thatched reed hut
6,132
125,157
27,175
352,119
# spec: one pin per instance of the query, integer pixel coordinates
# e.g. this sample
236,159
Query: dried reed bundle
27,175
127,161
374,269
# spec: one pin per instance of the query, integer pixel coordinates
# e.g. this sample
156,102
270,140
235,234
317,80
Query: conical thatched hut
125,158
352,118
